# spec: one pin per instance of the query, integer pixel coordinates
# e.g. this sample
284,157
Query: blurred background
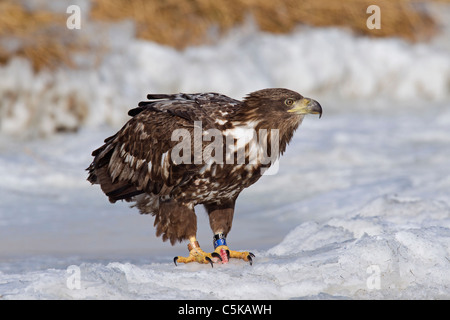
385,94
56,79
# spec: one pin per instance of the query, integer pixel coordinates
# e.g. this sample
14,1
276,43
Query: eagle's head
279,109
279,103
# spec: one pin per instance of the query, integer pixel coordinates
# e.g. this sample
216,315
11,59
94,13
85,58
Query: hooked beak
306,106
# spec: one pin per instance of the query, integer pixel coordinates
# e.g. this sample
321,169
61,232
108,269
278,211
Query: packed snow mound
314,261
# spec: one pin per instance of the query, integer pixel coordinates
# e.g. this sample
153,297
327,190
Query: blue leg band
219,240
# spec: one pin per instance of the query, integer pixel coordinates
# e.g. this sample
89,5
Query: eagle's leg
220,220
196,254
176,221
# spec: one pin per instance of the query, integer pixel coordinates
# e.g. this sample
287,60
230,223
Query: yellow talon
196,254
221,254
244,255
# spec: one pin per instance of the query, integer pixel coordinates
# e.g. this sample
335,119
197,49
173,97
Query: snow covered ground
359,209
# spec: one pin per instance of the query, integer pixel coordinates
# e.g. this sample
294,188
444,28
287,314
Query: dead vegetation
181,23
36,36
42,36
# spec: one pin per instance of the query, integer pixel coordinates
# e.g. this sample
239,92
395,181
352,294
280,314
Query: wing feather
137,159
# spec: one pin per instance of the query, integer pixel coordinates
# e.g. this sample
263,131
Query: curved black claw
210,261
216,255
175,261
249,257
228,254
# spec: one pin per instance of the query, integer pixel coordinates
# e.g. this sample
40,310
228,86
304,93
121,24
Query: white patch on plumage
149,165
130,159
245,134
139,127
221,121
255,152
165,165
163,157
139,163
242,132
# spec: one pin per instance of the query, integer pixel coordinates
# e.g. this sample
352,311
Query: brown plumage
144,162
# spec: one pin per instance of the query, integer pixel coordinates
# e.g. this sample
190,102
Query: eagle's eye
289,102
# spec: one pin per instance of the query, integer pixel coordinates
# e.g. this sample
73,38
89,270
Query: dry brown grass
181,23
45,40
37,36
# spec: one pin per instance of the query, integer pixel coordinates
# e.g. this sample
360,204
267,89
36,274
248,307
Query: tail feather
99,174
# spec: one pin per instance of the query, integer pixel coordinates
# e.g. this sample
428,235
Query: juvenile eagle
181,150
